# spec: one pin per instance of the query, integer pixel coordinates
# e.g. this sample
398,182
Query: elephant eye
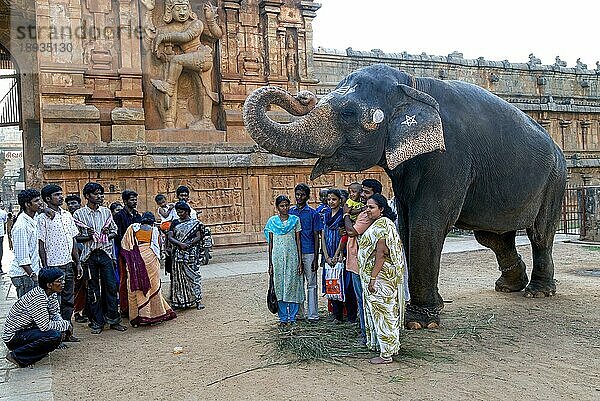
348,113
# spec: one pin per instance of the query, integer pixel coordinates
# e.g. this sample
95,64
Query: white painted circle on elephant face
378,116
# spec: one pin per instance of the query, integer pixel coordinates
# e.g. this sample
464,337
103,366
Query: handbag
334,282
272,297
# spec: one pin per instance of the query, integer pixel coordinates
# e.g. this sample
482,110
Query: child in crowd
164,211
353,201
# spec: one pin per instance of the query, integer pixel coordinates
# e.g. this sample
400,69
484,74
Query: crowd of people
95,265
364,268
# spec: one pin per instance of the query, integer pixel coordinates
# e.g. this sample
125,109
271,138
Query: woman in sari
285,260
186,235
333,252
381,266
141,250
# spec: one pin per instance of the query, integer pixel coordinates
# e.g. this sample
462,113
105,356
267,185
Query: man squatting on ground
34,326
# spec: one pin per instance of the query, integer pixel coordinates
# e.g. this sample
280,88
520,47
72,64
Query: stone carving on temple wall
291,57
180,54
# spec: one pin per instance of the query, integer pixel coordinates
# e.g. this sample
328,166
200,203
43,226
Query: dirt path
491,346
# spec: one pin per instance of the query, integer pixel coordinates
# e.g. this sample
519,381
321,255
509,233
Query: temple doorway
12,176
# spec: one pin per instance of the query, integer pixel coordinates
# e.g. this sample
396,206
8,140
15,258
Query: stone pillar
305,42
564,127
128,120
585,125
269,12
230,40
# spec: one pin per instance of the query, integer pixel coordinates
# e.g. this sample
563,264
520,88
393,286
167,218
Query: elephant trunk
311,135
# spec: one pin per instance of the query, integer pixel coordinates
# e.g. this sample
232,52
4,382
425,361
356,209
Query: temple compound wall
147,95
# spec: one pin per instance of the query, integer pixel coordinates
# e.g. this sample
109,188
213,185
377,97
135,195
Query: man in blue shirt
309,241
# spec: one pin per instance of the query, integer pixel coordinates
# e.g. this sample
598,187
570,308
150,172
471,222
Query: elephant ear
415,128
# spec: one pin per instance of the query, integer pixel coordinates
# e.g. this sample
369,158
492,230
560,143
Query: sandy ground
491,346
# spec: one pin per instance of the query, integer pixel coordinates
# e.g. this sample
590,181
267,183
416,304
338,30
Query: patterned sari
186,283
384,309
141,251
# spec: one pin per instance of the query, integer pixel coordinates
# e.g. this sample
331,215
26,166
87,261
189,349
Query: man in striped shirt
96,231
34,327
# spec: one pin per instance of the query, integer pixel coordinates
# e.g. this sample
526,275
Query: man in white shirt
58,248
3,220
26,264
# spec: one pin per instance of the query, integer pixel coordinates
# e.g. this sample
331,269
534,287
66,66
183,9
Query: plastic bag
271,297
334,282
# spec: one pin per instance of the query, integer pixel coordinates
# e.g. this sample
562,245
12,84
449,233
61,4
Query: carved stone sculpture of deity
291,57
178,45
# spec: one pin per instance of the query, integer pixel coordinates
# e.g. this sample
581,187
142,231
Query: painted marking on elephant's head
342,91
409,120
378,116
374,117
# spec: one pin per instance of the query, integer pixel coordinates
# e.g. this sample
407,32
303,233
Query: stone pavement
20,384
36,384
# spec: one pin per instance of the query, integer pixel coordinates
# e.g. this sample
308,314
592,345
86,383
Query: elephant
457,156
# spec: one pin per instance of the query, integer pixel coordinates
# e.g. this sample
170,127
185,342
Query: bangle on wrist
345,214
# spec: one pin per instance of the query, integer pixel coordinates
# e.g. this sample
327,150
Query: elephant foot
540,290
418,317
513,278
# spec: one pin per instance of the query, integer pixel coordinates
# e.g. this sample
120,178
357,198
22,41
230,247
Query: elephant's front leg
424,252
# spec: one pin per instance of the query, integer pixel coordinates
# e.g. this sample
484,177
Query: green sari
384,309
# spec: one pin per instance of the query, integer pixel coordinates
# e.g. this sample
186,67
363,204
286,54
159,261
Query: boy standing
58,248
311,224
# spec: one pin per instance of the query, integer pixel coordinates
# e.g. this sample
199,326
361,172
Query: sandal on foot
12,360
378,360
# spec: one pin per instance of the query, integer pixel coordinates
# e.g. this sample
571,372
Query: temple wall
106,106
235,202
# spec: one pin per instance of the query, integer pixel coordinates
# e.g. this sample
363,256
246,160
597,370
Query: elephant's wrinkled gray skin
457,155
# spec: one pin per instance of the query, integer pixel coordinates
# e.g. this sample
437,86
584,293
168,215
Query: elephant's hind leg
541,235
542,282
513,275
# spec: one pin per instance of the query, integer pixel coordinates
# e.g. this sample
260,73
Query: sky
500,30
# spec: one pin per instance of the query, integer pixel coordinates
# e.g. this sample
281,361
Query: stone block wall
234,201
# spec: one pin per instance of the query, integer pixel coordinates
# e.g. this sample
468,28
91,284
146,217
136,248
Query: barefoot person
285,260
34,327
186,235
381,266
141,250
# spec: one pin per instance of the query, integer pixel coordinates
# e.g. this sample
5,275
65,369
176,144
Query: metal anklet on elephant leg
505,269
429,312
